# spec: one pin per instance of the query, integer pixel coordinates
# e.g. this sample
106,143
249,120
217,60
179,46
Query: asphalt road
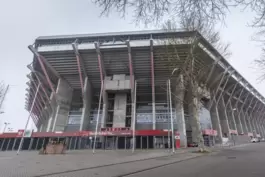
245,161
248,161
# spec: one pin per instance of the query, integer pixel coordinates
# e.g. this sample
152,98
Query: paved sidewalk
28,164
127,169
31,164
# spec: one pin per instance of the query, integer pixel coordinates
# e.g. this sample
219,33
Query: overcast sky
22,21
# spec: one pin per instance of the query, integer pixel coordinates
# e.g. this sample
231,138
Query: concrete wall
87,99
120,102
64,98
117,82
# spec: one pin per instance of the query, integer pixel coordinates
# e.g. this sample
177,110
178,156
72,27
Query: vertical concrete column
52,113
44,125
244,123
120,102
261,127
216,122
181,125
255,125
104,109
64,97
40,129
260,123
249,123
232,116
87,99
239,124
223,119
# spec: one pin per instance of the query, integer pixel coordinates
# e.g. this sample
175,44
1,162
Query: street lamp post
170,108
33,103
6,124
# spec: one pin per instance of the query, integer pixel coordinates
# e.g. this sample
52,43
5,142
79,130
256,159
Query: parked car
254,140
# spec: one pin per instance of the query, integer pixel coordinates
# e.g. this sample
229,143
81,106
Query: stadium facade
121,80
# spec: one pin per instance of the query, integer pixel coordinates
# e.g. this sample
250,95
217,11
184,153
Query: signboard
225,141
115,129
20,133
250,134
111,133
28,133
233,131
177,137
209,132
144,118
148,118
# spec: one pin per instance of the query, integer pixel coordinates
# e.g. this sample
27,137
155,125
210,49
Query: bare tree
209,11
190,67
150,11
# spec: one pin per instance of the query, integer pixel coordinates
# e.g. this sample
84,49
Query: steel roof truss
41,62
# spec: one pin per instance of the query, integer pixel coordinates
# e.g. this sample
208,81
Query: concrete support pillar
104,109
119,114
261,122
52,113
87,99
44,125
64,97
244,123
262,129
223,119
216,122
249,123
255,125
40,129
232,116
238,122
260,125
181,125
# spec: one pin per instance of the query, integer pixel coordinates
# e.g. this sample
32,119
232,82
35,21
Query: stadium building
128,81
